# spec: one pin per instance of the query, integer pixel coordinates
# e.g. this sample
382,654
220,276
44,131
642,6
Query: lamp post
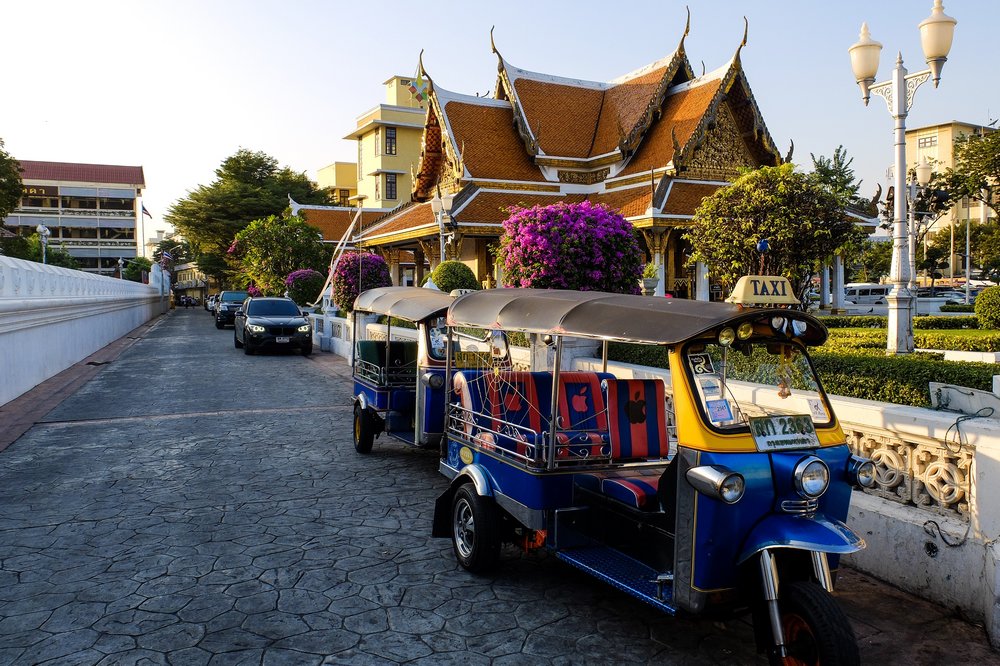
441,207
121,268
936,33
43,236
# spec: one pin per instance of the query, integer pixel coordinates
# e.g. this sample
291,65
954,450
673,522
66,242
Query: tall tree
269,249
135,267
976,173
800,217
10,182
248,186
836,173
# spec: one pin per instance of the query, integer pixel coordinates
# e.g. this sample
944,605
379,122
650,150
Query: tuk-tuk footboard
624,573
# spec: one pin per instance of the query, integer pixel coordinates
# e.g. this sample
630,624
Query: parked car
955,297
227,305
271,322
210,303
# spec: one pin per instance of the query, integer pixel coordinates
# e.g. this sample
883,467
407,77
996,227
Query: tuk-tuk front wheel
363,431
475,529
816,629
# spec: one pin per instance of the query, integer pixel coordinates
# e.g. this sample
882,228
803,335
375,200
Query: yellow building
342,179
936,144
389,141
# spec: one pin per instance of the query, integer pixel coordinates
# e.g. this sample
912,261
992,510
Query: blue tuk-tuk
719,485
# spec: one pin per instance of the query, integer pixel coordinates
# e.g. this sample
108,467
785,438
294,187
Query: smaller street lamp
441,207
43,235
121,268
920,179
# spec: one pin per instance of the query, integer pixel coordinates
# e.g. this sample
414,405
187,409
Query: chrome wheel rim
464,529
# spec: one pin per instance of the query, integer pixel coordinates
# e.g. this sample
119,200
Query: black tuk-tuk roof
409,303
606,316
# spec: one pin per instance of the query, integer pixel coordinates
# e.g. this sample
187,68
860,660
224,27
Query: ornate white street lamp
43,235
920,180
936,33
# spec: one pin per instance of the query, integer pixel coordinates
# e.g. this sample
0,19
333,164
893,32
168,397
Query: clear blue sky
177,86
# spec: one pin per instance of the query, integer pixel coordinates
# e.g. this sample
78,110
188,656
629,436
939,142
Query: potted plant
650,278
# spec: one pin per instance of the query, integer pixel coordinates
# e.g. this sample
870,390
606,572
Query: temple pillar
671,270
432,251
392,258
418,267
453,248
656,241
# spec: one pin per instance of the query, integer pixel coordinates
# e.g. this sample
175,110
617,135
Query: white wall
52,318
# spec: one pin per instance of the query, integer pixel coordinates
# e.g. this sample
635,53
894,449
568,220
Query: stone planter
648,285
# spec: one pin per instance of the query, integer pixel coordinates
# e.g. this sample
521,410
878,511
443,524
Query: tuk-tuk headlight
799,327
432,379
812,477
861,471
717,482
727,336
744,330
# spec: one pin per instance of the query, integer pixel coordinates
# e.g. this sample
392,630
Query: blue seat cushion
634,487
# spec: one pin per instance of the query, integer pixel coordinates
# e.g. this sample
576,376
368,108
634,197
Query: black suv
272,322
226,306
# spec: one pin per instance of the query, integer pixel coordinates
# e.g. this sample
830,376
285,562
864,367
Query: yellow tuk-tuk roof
606,316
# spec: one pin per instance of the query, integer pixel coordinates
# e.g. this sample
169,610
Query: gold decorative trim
583,177
526,187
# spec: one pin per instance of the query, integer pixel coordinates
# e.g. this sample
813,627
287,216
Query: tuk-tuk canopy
409,303
605,316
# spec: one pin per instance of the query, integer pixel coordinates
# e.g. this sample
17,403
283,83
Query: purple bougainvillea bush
349,281
582,246
304,285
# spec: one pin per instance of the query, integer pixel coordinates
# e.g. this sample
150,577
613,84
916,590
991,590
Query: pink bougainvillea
356,273
583,246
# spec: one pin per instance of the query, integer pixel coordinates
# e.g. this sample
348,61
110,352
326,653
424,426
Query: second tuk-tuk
747,515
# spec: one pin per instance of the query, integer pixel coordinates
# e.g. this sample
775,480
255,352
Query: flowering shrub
356,273
303,285
252,290
582,246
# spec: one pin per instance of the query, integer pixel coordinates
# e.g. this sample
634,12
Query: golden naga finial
746,31
791,149
493,45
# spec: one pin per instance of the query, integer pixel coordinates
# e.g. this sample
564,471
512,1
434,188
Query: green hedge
874,339
926,322
958,308
988,307
867,374
896,379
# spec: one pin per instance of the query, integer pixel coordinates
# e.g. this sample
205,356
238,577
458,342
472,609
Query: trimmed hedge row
926,322
862,374
958,308
848,340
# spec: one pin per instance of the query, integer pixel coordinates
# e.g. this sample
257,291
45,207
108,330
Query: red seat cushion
636,487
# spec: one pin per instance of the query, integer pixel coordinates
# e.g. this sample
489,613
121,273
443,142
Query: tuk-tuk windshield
754,379
473,347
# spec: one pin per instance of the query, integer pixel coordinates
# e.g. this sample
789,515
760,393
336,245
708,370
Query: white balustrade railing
52,317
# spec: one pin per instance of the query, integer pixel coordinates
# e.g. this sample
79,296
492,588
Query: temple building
651,144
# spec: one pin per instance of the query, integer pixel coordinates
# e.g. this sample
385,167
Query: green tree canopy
800,217
269,249
248,186
976,173
10,182
30,248
134,268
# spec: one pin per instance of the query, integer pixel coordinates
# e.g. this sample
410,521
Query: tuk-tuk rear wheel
816,629
475,529
363,431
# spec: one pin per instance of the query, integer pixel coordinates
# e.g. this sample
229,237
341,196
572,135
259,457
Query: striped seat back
638,420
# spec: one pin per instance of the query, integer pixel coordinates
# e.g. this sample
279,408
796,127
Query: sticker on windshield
711,386
701,364
818,410
719,410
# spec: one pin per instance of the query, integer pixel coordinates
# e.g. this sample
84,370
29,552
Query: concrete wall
51,318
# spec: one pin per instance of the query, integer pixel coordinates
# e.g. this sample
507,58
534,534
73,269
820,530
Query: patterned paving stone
228,520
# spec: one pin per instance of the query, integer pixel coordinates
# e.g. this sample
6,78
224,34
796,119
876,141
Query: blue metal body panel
535,490
378,397
726,533
433,404
808,532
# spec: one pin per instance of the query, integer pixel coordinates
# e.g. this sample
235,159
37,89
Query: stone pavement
192,505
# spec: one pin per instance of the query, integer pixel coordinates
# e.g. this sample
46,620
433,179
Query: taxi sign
763,289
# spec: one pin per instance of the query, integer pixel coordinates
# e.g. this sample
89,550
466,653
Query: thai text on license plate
281,339
773,433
